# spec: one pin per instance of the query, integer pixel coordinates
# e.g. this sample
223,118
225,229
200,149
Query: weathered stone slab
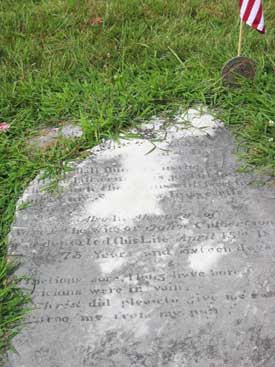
47,137
153,254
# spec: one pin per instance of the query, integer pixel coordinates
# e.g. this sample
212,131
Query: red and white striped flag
252,14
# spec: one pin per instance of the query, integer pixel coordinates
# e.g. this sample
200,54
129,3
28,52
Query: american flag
252,14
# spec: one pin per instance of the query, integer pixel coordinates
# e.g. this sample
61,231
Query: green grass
147,57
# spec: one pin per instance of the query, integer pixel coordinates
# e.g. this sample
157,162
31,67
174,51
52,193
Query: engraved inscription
150,257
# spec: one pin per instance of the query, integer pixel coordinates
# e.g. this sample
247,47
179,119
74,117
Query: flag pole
240,38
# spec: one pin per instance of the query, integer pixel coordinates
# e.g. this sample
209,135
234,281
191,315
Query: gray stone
48,136
153,254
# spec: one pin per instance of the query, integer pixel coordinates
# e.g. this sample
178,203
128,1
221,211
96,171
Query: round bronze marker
237,68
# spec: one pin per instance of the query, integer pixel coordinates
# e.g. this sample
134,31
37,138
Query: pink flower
97,20
4,126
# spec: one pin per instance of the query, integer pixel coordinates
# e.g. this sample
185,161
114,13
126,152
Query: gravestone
155,252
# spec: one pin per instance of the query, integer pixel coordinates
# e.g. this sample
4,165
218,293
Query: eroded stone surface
49,136
153,254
